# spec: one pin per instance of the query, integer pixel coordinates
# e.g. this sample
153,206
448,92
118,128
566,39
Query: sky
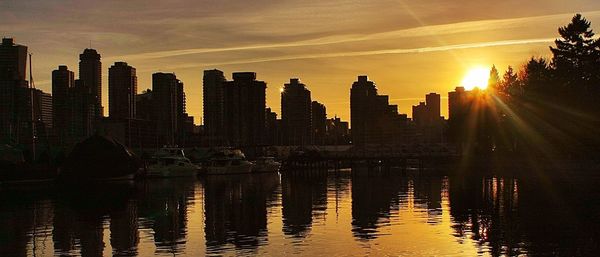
409,48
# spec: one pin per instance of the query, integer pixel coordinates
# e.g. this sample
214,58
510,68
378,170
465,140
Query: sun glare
476,78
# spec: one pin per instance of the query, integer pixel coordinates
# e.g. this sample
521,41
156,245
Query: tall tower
244,110
213,83
62,83
164,88
433,106
13,60
13,84
90,74
296,113
122,88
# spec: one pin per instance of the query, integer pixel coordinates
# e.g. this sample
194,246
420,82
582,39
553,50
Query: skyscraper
296,113
319,122
90,74
432,101
374,121
164,93
13,60
122,88
13,63
213,84
62,83
244,110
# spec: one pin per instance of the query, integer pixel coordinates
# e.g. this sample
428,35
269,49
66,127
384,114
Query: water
340,214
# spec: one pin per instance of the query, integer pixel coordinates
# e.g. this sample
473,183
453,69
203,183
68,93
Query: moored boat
171,162
266,164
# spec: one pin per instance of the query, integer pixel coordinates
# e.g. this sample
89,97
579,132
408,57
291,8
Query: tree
535,76
494,80
510,82
576,56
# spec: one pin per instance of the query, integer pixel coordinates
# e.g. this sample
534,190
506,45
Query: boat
171,162
228,161
266,164
99,158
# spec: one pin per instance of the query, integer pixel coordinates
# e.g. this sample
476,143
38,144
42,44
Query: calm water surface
338,214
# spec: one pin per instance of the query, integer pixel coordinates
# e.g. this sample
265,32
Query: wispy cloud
373,52
422,31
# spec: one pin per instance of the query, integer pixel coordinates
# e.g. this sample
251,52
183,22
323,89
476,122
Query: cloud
422,31
372,52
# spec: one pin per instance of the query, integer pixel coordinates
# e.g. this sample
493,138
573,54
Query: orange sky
409,48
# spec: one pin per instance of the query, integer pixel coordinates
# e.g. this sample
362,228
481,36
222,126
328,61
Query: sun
476,78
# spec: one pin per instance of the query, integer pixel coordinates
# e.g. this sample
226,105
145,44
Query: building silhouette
13,63
63,81
165,95
273,128
319,122
122,88
338,132
296,113
213,102
144,104
82,112
374,120
90,74
244,110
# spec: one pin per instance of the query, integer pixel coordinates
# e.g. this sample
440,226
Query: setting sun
476,78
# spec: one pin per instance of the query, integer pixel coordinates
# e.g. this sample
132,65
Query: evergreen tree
536,76
494,80
510,82
577,55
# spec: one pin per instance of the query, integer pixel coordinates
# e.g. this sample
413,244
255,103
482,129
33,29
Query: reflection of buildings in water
236,210
124,235
373,198
302,198
79,218
16,220
486,211
428,196
163,208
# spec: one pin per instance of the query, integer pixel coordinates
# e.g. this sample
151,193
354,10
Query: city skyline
415,48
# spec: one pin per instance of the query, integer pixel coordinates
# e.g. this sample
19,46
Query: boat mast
31,101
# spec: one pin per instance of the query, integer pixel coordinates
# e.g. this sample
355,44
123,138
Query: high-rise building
144,105
319,122
90,73
244,110
82,112
62,83
122,88
420,114
296,113
13,96
273,136
432,100
164,94
213,84
374,121
13,60
338,132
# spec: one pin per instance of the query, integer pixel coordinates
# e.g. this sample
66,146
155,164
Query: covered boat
100,158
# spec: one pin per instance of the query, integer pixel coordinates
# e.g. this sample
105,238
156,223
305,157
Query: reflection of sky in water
319,216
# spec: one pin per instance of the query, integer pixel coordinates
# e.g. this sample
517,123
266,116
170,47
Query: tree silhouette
510,82
494,80
577,55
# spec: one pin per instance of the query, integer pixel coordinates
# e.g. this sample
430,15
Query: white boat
266,164
228,161
171,162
